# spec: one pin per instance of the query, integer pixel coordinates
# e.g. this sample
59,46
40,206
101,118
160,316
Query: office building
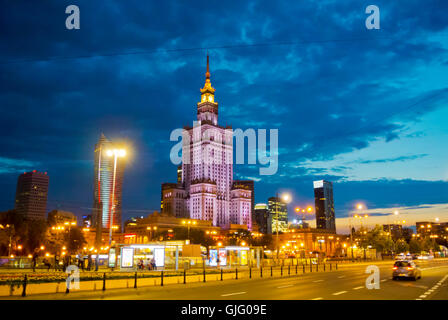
263,218
104,185
279,214
324,205
31,195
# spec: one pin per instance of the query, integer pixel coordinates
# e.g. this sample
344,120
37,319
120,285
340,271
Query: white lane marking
232,294
320,298
383,280
289,285
318,280
418,299
357,288
338,293
340,277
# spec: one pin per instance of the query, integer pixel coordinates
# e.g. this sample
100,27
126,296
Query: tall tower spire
207,74
207,107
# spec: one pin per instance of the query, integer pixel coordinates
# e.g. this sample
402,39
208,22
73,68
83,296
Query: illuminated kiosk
166,255
235,256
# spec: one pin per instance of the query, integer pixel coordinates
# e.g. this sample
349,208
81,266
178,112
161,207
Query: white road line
423,296
289,285
232,294
383,280
340,277
320,298
357,288
338,293
318,280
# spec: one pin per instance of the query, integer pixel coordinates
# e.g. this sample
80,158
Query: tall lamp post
286,198
116,153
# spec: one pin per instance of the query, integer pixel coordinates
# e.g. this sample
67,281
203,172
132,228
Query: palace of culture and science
205,189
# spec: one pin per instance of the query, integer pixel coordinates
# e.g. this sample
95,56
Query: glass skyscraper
324,203
103,179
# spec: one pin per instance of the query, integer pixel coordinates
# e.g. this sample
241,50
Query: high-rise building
31,195
207,169
103,186
263,218
395,230
174,200
87,221
278,208
324,203
249,184
432,229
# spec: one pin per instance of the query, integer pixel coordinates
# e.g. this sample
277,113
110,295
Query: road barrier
91,281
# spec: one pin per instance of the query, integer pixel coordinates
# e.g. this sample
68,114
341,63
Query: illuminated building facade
324,203
31,195
103,180
206,176
277,208
436,230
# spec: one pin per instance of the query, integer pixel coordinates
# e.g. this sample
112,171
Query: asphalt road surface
347,283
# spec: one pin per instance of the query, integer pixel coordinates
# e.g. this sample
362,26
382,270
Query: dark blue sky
366,109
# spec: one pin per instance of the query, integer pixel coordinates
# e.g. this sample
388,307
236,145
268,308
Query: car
406,269
400,256
425,257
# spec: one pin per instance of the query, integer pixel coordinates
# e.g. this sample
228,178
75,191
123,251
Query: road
347,283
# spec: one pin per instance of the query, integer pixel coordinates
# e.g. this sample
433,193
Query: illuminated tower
207,168
103,179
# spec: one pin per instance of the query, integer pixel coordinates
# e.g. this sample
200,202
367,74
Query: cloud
408,216
336,90
15,166
401,158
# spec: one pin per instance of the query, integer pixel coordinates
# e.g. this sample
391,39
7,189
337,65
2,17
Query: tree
415,246
74,239
35,234
401,246
376,238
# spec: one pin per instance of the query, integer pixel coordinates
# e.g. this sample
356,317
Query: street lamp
116,153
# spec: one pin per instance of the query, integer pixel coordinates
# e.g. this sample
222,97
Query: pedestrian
81,262
66,262
47,263
35,256
89,262
56,262
153,264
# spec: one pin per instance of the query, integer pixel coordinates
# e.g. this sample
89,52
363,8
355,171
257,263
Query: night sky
365,109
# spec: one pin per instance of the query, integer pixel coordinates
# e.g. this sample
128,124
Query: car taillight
394,268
